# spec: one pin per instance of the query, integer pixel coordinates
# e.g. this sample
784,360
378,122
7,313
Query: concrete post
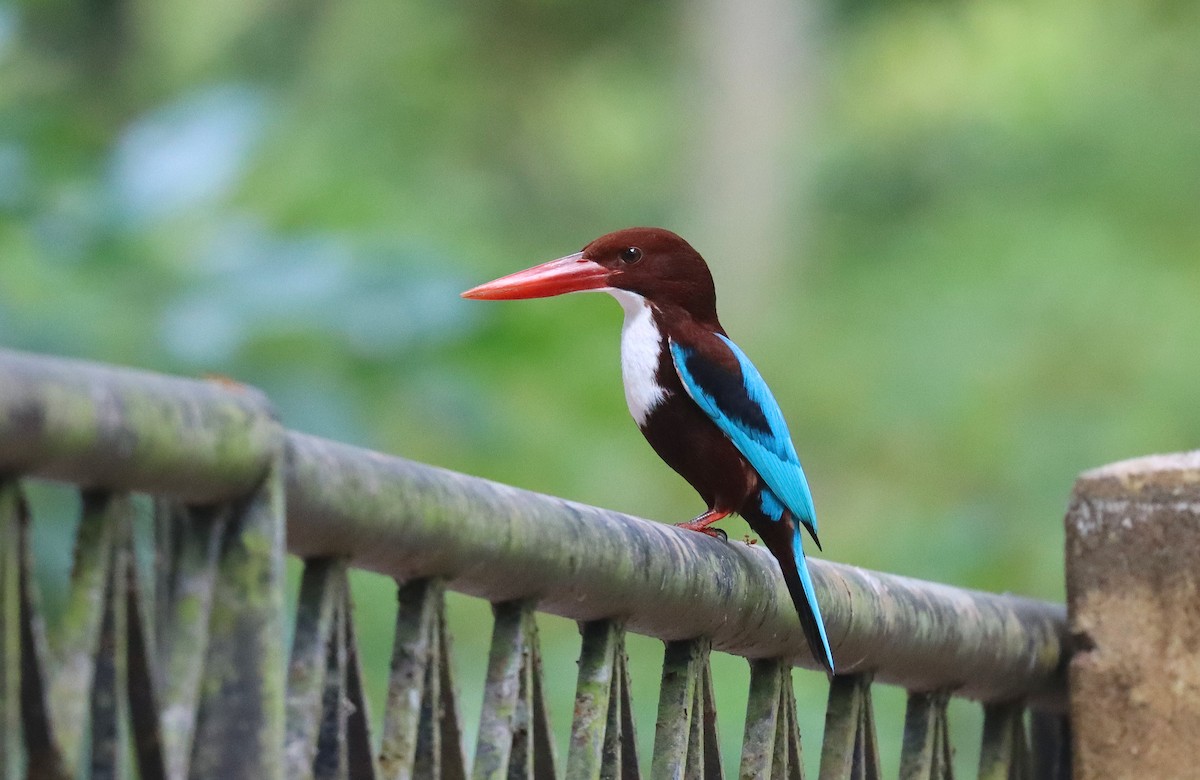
1133,599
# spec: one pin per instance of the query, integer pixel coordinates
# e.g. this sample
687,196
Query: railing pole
10,630
1133,592
239,731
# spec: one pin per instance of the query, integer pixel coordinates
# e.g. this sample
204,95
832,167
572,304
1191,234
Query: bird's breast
642,346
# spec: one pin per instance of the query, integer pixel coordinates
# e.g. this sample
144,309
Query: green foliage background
977,273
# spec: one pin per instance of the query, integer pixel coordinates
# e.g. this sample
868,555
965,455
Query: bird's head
651,262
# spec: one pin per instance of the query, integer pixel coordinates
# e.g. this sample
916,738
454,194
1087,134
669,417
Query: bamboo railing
186,663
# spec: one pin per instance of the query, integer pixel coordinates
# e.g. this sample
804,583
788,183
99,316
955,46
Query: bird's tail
783,538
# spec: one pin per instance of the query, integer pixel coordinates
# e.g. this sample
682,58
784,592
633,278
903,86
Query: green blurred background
961,241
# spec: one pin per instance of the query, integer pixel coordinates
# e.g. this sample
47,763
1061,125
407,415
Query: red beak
567,274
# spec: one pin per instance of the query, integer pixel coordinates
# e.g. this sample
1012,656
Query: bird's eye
630,255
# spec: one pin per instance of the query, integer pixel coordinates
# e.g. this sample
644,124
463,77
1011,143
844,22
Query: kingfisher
695,396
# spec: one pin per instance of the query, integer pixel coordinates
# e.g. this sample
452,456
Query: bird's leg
702,522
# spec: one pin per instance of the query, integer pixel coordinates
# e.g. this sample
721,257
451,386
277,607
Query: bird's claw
716,533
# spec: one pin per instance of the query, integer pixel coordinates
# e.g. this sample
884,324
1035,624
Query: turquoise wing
746,412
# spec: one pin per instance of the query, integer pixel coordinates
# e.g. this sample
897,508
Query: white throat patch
641,348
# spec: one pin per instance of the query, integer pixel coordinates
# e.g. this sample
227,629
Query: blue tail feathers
785,539
814,631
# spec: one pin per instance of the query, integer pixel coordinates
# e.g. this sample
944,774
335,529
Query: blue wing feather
749,416
769,449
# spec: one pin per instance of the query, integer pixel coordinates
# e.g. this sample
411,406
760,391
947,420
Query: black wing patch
728,391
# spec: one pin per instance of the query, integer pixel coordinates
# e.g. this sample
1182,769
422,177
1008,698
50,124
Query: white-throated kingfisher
696,397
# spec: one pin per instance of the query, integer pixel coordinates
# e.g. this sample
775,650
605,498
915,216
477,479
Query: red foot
702,523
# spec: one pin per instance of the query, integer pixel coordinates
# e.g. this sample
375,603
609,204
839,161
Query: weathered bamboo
598,672
685,736
11,743
421,732
115,428
239,726
850,748
771,745
204,442
410,520
927,752
1004,752
321,590
514,729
